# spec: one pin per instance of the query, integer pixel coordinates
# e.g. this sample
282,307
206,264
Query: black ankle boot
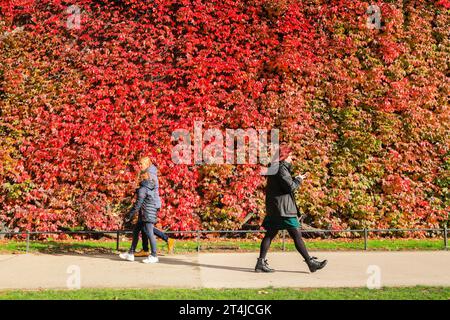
315,265
267,266
263,266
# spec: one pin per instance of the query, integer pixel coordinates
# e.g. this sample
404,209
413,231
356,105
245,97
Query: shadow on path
167,260
177,261
164,260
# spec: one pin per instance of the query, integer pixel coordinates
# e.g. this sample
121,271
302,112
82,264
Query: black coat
146,204
280,200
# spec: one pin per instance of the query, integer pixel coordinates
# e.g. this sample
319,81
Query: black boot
267,266
315,265
262,266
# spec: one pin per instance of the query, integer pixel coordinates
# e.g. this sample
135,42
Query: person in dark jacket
147,165
146,208
282,211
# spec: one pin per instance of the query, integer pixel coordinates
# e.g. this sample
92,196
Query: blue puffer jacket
153,172
145,204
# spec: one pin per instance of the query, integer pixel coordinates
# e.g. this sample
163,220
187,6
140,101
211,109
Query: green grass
402,293
217,245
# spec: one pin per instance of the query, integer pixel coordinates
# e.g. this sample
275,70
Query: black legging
295,235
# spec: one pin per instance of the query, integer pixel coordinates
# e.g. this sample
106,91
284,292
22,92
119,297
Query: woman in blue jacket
146,207
147,165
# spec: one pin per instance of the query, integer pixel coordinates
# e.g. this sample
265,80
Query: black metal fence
198,233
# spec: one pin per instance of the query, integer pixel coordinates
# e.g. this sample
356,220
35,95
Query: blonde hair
144,174
146,160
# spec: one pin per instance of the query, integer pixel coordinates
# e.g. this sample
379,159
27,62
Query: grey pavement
224,270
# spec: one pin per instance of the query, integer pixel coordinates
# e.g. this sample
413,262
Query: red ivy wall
365,109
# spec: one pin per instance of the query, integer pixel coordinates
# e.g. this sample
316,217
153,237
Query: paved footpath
225,270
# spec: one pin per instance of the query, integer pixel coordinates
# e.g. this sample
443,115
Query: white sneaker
151,259
127,256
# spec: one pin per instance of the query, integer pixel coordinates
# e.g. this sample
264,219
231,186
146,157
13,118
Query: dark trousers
157,233
295,234
147,229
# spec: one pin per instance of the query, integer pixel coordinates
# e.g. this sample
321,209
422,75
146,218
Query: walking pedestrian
147,165
282,211
145,207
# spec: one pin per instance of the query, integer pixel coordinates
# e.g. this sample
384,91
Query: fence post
28,241
284,240
445,238
117,240
365,238
198,241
